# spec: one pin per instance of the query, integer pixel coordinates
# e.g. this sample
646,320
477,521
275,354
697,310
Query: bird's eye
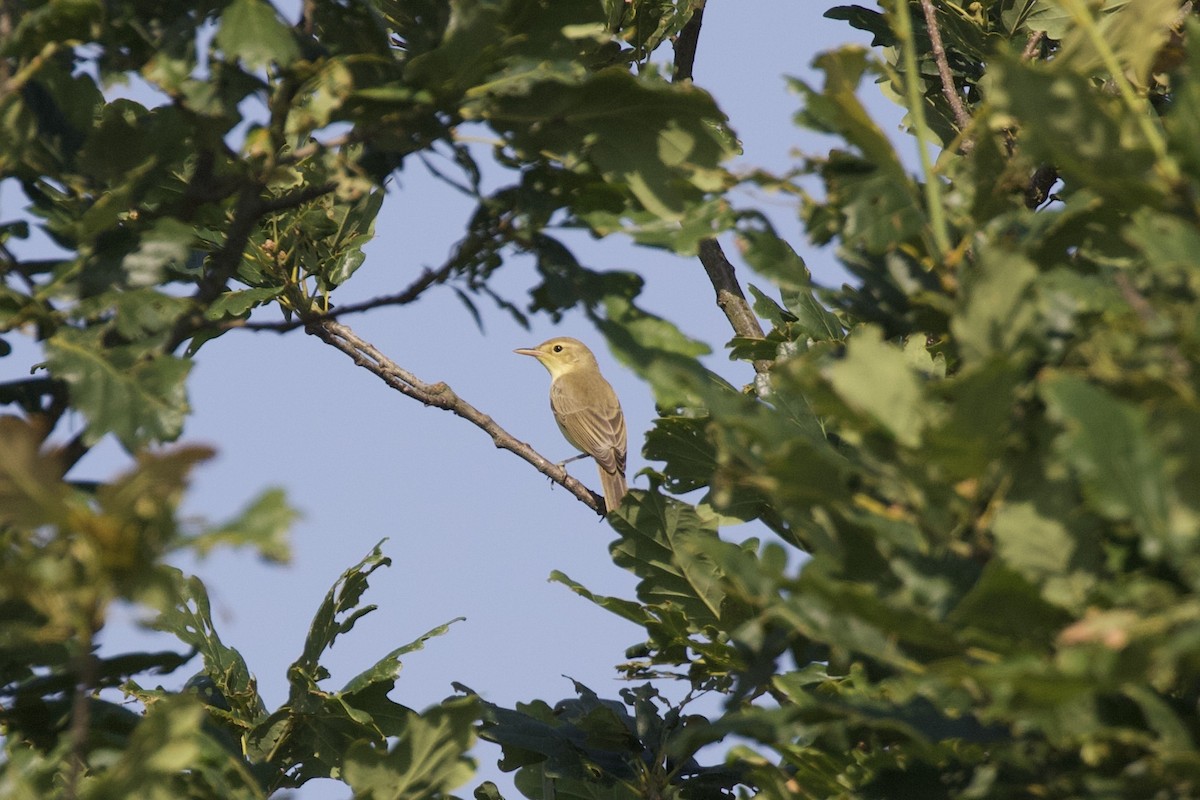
558,348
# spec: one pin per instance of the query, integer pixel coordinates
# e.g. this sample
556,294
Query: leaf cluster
978,460
974,467
89,725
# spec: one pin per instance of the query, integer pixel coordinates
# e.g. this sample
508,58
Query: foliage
70,553
974,467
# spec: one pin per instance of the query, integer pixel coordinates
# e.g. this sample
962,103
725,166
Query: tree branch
414,290
961,118
730,298
223,264
685,47
442,396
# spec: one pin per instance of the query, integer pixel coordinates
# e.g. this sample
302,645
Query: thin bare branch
414,290
961,118
442,396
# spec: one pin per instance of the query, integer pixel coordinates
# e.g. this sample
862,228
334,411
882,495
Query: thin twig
414,291
442,396
961,118
730,297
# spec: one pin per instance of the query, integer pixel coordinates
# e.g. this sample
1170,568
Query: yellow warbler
586,409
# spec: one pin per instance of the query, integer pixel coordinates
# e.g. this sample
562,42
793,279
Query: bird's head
561,355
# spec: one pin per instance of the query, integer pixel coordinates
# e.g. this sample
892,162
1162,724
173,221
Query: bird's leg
563,464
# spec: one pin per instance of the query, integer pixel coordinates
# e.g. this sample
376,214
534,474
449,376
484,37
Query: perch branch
442,396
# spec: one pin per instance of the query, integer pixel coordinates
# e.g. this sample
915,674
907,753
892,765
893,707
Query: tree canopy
974,466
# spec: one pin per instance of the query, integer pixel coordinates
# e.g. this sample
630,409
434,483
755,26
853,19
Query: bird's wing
597,428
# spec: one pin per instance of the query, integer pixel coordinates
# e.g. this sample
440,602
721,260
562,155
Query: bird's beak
528,351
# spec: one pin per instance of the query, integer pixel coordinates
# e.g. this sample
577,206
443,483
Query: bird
586,409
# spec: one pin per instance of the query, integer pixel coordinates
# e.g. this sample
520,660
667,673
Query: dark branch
442,396
730,298
685,47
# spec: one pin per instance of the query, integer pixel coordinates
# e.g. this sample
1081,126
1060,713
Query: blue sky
472,530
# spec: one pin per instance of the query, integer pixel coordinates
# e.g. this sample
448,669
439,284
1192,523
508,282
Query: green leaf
138,396
428,759
659,352
626,609
262,525
768,309
877,380
688,451
1108,446
996,312
191,621
251,30
318,732
836,109
971,436
238,304
661,543
664,142
386,669
1034,545
1004,611
1171,245
166,743
341,599
32,491
1133,31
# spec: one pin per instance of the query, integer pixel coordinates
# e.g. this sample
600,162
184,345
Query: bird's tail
613,484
